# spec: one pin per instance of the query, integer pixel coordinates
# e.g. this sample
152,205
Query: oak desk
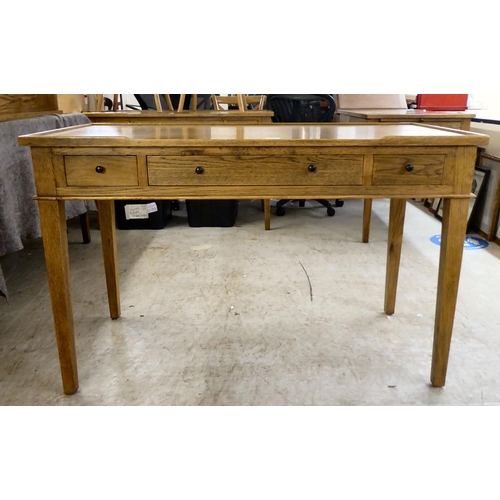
246,162
201,117
451,119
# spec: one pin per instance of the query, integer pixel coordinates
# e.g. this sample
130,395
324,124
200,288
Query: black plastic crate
155,219
212,213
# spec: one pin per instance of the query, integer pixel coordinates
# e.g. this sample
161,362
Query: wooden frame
479,187
495,211
434,205
439,209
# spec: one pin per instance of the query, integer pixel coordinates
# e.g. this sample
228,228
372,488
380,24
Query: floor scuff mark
310,286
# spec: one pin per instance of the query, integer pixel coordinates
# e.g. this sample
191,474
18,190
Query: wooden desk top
332,134
404,113
202,115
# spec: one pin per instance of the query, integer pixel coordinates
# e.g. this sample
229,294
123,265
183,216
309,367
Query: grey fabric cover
19,218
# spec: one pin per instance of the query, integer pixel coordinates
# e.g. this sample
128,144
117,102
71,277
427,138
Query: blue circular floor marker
470,242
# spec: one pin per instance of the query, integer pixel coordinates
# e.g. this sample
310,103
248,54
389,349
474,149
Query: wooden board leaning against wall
19,106
487,224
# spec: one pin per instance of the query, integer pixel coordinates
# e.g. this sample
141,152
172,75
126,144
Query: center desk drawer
410,170
326,170
97,171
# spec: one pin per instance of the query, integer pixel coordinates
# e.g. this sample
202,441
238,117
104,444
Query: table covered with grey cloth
19,218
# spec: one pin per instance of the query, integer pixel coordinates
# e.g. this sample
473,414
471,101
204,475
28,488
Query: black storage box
155,214
212,213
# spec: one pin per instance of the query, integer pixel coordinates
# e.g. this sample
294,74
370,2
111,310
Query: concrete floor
224,316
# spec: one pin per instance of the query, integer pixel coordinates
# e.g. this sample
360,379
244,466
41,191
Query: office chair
303,108
204,101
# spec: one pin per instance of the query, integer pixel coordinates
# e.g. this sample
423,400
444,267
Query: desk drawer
101,170
320,170
413,170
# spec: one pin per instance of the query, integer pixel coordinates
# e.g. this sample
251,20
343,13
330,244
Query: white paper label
136,211
152,207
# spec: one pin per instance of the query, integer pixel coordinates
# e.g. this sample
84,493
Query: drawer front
320,170
409,170
94,171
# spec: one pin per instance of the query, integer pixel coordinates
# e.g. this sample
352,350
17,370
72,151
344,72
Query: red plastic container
442,102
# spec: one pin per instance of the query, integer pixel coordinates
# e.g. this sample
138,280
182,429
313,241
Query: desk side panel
43,171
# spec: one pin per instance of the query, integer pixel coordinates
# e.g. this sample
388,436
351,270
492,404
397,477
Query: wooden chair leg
367,215
182,98
170,106
266,206
85,225
100,102
158,102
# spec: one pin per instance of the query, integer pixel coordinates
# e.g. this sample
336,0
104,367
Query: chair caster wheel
339,203
280,211
330,211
